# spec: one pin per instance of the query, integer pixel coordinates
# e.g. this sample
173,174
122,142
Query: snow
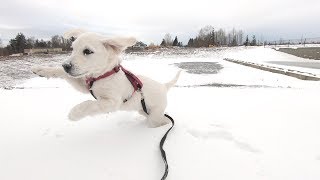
269,56
266,131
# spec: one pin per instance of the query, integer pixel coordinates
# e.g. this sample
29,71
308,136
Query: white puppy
94,55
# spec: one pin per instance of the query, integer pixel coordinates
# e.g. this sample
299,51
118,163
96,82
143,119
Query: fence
303,42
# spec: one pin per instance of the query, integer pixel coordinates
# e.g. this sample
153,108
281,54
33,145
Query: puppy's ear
73,33
119,44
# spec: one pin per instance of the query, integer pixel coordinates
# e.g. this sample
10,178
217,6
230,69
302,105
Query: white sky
149,20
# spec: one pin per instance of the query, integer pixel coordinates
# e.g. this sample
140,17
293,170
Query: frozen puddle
200,67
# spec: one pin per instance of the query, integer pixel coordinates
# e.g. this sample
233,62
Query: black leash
163,139
163,152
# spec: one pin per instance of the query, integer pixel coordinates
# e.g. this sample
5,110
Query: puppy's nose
67,67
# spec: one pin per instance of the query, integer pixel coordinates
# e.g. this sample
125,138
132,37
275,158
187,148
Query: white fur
110,91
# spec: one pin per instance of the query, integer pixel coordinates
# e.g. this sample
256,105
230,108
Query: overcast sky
149,20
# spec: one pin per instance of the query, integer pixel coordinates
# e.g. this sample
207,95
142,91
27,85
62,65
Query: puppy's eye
87,52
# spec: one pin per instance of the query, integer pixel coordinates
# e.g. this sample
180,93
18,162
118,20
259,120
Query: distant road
313,65
306,52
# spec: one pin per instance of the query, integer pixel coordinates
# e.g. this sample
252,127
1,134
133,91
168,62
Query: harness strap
134,80
91,80
91,92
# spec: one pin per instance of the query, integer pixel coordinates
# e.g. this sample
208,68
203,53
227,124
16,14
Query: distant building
42,50
16,55
137,47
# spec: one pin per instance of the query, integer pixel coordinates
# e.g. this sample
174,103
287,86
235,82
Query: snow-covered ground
269,56
267,128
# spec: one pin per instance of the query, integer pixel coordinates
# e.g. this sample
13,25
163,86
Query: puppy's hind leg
156,118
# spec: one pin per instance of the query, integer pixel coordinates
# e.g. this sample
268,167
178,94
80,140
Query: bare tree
208,36
1,45
221,37
152,44
261,40
240,37
168,39
56,41
281,41
205,31
234,37
229,38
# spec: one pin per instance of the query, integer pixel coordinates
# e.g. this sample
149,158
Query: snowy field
271,57
234,123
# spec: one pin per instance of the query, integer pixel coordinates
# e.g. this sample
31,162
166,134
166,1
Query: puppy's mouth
77,75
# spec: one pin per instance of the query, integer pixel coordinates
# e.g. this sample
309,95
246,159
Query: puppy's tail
173,81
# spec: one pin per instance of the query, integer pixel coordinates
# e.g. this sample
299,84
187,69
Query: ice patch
200,67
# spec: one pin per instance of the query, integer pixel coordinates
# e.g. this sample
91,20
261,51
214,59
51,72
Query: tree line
208,36
21,42
168,41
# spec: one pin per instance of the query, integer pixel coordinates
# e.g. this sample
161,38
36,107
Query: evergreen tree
18,44
163,43
41,44
212,38
234,41
254,41
246,43
196,42
190,43
175,41
30,43
21,42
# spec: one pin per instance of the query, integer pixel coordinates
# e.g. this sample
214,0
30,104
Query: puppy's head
93,54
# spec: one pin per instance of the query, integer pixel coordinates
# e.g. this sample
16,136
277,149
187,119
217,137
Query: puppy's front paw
79,111
75,114
40,71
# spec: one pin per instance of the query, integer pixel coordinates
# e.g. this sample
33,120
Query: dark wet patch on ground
200,67
221,85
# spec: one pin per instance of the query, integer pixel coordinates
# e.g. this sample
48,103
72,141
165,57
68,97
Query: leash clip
142,96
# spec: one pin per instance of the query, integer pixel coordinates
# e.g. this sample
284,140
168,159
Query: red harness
135,82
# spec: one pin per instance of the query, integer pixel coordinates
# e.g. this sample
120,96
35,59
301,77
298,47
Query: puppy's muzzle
67,67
